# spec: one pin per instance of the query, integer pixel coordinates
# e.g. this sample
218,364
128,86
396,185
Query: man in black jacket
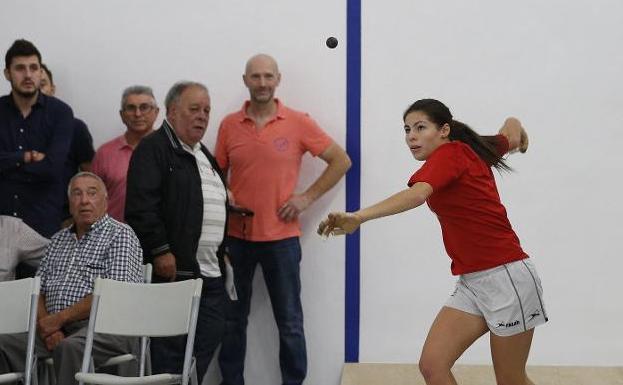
176,203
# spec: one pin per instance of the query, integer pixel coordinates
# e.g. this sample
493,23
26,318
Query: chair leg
34,372
193,373
48,372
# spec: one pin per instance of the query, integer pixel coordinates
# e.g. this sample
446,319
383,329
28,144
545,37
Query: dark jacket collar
175,141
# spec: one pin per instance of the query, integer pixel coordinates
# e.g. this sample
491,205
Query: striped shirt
214,213
68,270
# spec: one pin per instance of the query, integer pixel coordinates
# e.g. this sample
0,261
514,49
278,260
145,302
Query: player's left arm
512,137
515,134
338,162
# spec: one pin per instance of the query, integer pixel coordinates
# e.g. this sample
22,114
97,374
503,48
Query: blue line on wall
353,178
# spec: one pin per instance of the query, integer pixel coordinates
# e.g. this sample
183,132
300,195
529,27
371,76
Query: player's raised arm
516,135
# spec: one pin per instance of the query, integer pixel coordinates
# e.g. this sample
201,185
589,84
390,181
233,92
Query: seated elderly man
18,243
95,246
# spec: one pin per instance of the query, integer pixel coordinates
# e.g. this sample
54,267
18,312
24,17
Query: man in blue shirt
81,151
35,135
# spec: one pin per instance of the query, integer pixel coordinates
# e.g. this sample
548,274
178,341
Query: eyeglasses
143,108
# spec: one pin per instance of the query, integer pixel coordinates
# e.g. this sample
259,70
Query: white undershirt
214,213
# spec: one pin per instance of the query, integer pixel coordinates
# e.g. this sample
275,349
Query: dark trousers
280,262
167,353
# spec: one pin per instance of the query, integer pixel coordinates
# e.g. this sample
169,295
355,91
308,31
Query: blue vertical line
353,178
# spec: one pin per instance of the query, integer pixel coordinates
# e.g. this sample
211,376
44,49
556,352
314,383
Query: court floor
408,374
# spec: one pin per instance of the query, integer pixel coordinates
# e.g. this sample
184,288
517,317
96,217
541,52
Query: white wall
557,66
97,48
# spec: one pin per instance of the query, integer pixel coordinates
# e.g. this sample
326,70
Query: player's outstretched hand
339,223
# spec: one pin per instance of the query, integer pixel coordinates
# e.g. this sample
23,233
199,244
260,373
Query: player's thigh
510,354
452,332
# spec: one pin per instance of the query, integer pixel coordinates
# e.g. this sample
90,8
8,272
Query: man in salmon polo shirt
138,112
261,147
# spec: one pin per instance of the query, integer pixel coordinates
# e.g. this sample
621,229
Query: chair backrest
15,304
147,268
154,310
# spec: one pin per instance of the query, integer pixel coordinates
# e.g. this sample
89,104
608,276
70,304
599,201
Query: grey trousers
68,353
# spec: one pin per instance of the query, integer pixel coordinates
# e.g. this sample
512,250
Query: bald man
261,146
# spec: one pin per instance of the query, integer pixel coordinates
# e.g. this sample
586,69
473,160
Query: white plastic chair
18,301
147,268
48,371
123,358
127,309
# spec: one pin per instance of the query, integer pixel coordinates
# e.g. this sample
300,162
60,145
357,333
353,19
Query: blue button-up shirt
34,191
80,151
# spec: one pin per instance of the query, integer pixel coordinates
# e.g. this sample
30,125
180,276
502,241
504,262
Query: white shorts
509,297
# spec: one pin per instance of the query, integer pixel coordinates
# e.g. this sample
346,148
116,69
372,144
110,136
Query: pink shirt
111,163
264,167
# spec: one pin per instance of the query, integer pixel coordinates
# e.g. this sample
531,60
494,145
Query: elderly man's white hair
87,174
174,94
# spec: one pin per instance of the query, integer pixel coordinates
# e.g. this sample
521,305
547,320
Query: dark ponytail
484,148
439,114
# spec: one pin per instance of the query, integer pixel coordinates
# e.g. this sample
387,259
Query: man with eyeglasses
34,142
138,112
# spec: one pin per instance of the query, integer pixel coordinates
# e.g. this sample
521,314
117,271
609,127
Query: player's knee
433,368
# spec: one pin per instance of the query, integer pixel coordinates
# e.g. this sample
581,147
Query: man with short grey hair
138,112
96,245
177,204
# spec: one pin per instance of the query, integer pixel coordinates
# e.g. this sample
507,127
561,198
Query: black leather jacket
164,201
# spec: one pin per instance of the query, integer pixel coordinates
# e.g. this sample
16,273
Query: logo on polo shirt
281,144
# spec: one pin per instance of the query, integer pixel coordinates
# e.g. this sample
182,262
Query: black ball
331,42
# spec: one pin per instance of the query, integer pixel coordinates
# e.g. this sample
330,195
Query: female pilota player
498,289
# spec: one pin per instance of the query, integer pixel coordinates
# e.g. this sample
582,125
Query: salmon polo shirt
264,167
